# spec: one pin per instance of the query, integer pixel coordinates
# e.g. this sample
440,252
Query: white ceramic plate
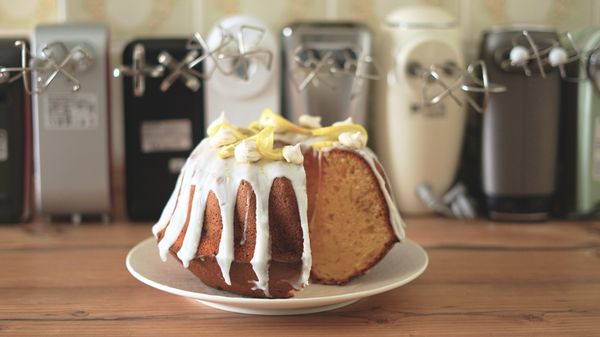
404,263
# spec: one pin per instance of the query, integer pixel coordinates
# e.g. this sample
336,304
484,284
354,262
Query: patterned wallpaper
20,16
135,18
131,18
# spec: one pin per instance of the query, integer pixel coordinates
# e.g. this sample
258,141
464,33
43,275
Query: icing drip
397,223
205,172
302,200
167,212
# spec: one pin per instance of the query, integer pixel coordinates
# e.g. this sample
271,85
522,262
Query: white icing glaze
397,223
204,172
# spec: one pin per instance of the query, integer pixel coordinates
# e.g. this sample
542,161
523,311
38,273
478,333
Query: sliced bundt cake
259,210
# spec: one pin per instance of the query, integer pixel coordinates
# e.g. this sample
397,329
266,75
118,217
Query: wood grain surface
484,279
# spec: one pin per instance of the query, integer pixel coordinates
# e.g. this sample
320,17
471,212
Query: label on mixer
72,111
3,145
166,135
596,149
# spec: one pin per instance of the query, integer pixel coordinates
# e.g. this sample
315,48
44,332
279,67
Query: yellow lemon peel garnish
333,132
270,123
323,144
269,118
264,143
227,150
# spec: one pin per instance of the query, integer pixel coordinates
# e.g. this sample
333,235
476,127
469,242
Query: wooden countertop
483,279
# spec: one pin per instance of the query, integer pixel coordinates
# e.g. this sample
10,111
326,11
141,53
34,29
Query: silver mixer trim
421,25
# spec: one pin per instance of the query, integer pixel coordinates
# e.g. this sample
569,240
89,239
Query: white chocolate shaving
352,139
222,137
311,122
293,154
246,151
214,124
347,121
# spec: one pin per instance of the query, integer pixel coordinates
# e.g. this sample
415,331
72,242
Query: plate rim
262,301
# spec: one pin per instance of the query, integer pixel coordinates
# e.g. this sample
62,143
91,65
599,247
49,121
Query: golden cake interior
349,229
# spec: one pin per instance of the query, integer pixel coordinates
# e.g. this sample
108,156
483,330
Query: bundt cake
260,210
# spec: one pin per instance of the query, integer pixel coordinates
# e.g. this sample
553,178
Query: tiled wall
133,18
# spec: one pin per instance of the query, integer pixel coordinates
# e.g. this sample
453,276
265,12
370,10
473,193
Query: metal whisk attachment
56,59
554,54
139,70
311,65
565,53
197,42
527,52
473,79
319,66
234,54
246,52
180,70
